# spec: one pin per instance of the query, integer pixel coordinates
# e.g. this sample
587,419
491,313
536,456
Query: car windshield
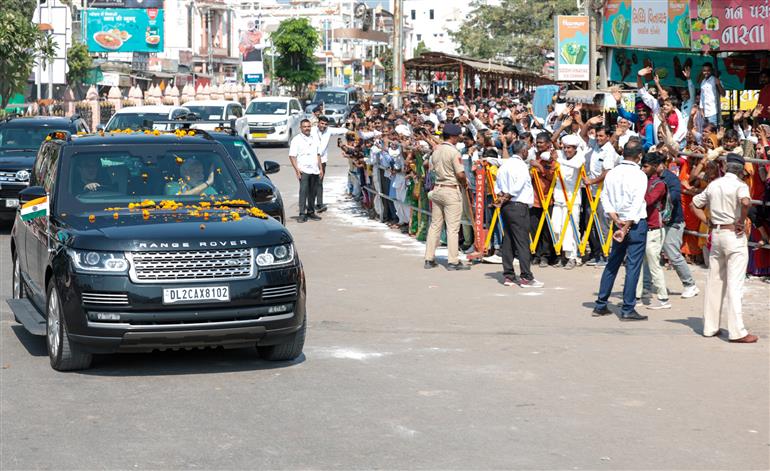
115,176
28,138
242,155
207,112
136,121
267,107
331,98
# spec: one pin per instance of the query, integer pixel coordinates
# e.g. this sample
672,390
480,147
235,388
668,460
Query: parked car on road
337,102
135,117
20,139
273,119
136,242
220,109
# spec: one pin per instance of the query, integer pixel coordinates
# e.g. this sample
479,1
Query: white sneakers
659,304
690,292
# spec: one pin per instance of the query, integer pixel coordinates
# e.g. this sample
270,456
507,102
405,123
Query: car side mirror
271,167
31,193
232,116
295,112
262,192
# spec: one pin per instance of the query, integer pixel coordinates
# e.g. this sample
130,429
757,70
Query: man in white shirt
306,160
711,90
623,201
600,159
513,187
729,200
570,160
323,134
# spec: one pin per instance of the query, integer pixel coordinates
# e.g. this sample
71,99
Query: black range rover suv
150,242
20,138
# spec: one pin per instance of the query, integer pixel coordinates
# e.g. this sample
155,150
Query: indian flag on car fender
34,209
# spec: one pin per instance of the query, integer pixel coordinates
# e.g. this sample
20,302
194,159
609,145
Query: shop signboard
669,65
123,29
663,24
571,40
730,25
124,3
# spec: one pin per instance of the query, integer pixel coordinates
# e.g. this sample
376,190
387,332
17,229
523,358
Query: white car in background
135,117
224,110
273,120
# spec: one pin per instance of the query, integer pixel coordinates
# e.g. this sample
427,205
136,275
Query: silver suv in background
338,102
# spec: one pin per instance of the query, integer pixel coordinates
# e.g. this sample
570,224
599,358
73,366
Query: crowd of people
643,179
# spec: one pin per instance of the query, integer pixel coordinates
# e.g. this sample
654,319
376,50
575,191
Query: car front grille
114,299
274,292
191,265
10,177
262,129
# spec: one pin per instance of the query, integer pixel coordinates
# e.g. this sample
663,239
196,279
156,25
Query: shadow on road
34,344
167,363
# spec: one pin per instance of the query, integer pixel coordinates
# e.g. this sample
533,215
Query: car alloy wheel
18,286
53,324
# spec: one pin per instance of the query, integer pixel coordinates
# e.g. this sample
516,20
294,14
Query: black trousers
516,240
320,190
544,247
308,187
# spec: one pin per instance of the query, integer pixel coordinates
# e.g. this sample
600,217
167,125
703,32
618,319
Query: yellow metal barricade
604,240
570,204
545,203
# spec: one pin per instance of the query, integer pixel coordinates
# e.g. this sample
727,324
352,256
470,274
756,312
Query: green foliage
522,29
79,63
421,47
21,43
295,40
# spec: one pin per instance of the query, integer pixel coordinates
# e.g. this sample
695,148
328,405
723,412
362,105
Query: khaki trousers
447,207
652,260
727,271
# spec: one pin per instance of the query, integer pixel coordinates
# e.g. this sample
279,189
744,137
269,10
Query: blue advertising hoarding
123,29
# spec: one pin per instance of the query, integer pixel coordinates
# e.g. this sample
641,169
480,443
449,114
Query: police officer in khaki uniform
450,180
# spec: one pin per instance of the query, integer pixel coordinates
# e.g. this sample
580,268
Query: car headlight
274,256
89,261
282,123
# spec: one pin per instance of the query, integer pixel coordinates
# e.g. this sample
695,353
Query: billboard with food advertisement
123,29
571,48
647,23
730,25
124,3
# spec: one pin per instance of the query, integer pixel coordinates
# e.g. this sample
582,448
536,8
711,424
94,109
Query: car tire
17,285
64,355
19,291
288,140
286,351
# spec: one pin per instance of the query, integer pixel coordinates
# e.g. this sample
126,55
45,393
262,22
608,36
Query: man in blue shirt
673,226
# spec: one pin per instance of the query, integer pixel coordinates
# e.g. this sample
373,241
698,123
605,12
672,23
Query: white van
273,120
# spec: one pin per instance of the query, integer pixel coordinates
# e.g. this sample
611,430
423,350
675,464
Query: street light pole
398,27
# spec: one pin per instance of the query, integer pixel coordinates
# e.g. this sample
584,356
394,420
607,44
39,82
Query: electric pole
398,65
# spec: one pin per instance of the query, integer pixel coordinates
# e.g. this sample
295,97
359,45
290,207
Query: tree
79,63
421,47
21,42
295,42
517,29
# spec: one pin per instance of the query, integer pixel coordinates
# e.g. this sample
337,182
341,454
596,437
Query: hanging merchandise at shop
661,24
730,25
668,65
